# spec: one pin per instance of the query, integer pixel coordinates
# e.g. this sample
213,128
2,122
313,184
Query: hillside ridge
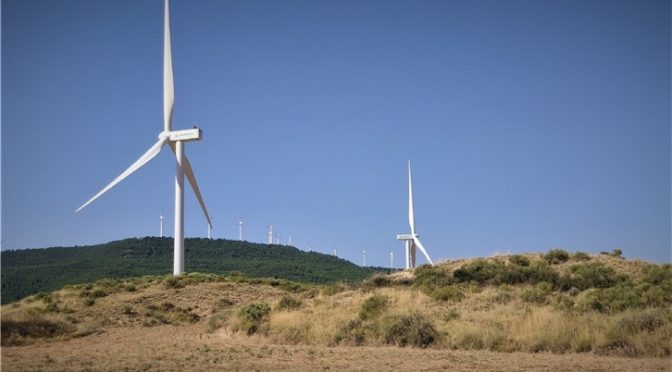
30,271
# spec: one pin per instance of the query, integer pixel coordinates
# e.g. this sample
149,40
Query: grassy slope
30,271
385,310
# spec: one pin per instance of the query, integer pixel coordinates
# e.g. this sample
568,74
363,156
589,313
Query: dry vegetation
477,314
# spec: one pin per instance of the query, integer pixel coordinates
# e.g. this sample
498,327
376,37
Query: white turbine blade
411,212
422,249
147,156
186,167
168,89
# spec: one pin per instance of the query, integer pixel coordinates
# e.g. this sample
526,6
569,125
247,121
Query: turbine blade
186,167
422,249
168,89
411,212
147,156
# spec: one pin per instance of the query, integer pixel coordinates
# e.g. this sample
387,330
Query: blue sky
531,125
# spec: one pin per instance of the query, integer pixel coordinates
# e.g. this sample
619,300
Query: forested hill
29,271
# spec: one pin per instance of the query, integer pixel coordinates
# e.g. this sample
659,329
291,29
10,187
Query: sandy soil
189,348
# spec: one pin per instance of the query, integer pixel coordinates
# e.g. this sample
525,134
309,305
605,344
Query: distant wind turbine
412,240
270,234
240,229
161,231
364,255
175,140
391,259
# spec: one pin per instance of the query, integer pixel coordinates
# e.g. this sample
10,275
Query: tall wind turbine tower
391,259
175,139
240,229
270,234
364,256
412,240
210,230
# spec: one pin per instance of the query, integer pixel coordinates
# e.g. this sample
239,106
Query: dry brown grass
191,319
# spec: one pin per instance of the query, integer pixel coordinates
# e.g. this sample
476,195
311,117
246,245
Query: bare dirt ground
190,348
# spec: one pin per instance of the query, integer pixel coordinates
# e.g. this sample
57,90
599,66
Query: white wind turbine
411,240
161,231
175,140
240,229
270,234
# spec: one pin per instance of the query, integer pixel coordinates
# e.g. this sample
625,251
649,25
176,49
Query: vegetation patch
15,333
254,316
373,306
410,330
289,303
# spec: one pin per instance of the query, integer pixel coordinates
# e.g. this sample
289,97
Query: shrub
45,297
351,333
537,294
556,256
657,274
89,301
643,321
373,306
410,330
452,293
377,281
595,275
13,332
98,293
429,278
580,256
253,316
289,303
519,260
173,282
217,321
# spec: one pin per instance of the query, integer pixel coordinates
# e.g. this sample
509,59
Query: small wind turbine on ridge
175,139
240,229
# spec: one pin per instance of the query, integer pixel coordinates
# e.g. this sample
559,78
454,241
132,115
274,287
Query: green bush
352,333
378,281
580,256
595,275
452,293
289,303
556,256
429,278
373,306
45,297
537,294
253,316
173,282
410,330
519,260
657,274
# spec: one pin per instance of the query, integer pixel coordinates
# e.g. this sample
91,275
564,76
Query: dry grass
481,318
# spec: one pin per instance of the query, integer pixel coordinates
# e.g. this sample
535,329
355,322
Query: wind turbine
364,255
240,229
175,140
411,240
270,234
391,259
161,231
210,229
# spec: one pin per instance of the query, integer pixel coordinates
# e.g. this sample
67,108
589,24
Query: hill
552,311
30,271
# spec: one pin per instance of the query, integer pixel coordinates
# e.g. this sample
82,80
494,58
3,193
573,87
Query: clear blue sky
531,124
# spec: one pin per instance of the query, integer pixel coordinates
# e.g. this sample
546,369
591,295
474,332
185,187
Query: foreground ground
189,348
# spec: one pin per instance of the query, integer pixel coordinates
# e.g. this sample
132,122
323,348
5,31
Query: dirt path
188,348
